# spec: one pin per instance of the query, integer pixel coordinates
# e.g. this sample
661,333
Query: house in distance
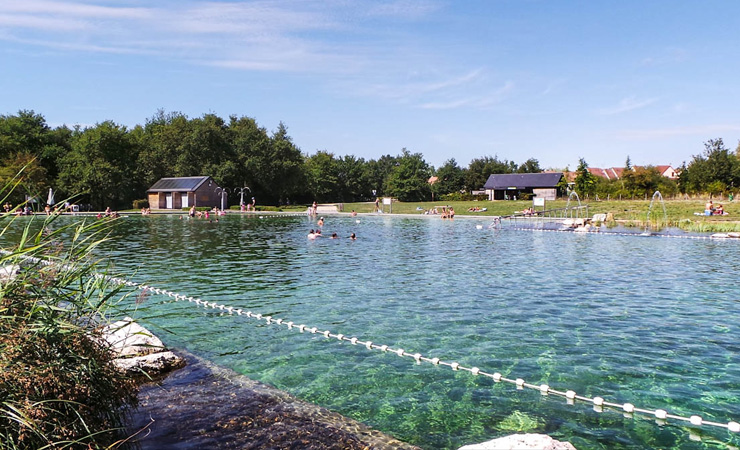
510,186
183,192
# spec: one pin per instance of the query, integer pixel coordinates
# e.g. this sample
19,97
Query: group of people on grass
445,212
711,210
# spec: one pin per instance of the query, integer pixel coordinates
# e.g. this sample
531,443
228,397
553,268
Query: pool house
510,186
183,192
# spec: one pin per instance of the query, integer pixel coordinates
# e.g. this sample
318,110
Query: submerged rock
522,442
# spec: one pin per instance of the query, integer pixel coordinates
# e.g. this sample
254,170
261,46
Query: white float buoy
480,227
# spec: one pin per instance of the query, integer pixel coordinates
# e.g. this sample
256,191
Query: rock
8,272
521,442
137,350
151,364
127,338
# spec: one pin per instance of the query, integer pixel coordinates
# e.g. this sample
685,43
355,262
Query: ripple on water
650,321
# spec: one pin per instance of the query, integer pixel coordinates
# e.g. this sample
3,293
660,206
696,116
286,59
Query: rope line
571,396
599,403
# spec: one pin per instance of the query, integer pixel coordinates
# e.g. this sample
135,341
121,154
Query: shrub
143,203
58,386
456,197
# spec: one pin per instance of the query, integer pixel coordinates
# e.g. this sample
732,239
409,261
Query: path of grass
680,213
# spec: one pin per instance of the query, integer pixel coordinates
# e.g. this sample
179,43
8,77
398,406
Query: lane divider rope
661,415
599,403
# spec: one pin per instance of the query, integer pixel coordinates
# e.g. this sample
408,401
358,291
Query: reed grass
58,386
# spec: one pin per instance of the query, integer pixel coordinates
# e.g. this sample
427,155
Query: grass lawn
680,213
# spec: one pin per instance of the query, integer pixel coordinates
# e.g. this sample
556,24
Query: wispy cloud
483,101
660,133
669,56
630,103
403,8
336,39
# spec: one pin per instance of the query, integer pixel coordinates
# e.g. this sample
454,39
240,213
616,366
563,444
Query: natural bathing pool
642,320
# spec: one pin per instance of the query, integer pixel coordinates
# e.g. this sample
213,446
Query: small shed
512,185
183,192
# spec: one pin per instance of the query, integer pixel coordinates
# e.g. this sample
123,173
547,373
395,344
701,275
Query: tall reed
58,386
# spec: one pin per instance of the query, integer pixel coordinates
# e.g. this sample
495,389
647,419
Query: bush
143,203
58,385
456,197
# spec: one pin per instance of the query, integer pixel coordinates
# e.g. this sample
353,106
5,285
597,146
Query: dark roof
178,184
523,180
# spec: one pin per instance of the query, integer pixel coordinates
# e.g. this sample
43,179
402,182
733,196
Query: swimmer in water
321,222
353,237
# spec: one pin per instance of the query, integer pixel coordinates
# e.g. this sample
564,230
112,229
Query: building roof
523,180
178,184
615,173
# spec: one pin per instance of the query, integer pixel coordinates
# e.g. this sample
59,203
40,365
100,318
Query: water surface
650,321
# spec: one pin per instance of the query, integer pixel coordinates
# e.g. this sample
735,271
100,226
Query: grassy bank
678,213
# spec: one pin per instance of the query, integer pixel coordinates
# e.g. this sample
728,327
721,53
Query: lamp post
221,192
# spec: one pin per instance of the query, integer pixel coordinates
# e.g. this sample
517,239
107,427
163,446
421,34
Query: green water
649,321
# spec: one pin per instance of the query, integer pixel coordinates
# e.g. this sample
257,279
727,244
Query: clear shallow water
649,321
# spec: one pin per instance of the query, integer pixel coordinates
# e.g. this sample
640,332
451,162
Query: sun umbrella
50,198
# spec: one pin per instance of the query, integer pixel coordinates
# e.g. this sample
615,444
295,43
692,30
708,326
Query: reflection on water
648,321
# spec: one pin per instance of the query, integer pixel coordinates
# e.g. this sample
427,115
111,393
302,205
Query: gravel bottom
205,406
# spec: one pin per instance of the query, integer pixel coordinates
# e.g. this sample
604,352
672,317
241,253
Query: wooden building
183,192
508,186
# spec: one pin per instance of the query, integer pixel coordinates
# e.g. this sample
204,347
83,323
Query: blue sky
517,79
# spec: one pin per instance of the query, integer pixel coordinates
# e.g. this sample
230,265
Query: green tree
529,166
716,167
408,181
248,141
451,178
101,166
27,171
585,181
378,172
354,184
322,176
27,141
645,181
278,169
164,138
480,169
26,132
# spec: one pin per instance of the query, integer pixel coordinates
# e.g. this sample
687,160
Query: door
168,200
184,200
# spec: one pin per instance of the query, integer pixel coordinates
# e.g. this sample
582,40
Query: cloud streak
626,105
336,41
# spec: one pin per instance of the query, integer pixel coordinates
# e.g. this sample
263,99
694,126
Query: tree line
111,165
714,172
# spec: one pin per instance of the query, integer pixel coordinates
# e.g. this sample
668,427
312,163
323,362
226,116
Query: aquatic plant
519,421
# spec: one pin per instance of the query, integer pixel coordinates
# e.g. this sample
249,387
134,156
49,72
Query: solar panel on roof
178,184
